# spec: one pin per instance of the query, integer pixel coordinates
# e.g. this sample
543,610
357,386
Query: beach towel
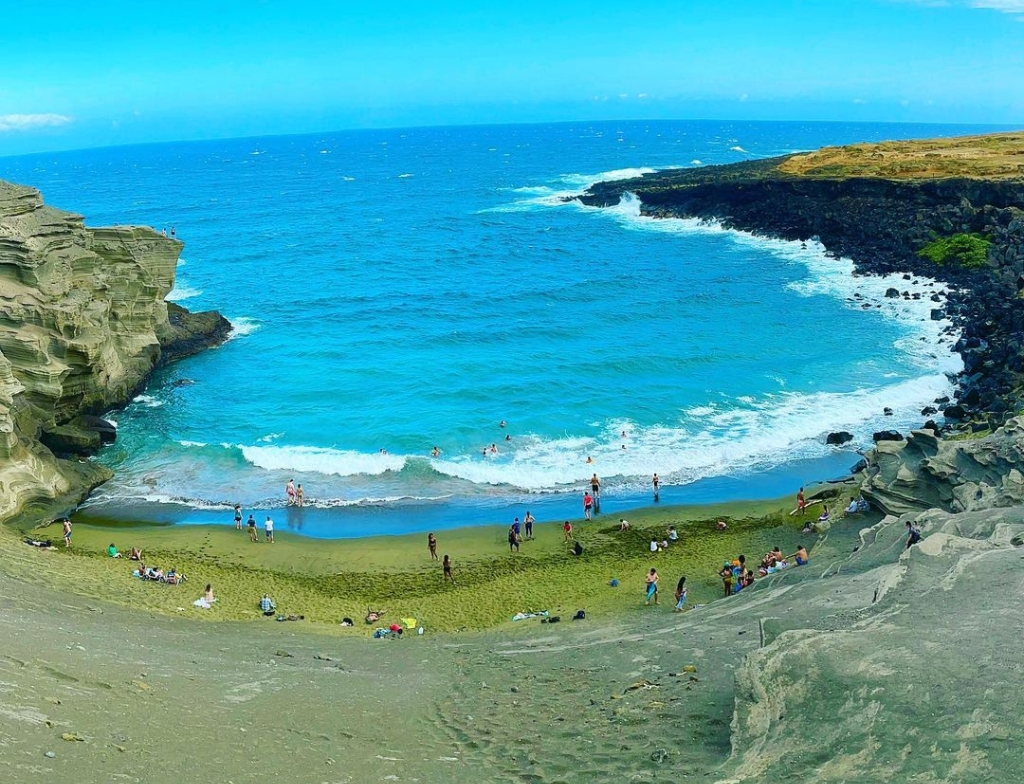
523,616
409,623
201,602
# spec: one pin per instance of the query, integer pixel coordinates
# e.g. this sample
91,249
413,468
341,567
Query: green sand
326,580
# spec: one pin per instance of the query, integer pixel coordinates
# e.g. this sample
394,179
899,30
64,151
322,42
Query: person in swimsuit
726,575
300,495
238,517
652,586
657,486
289,490
588,505
447,566
432,546
67,532
801,502
595,486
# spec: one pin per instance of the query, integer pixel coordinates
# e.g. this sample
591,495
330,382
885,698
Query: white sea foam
405,176
242,326
321,460
186,442
737,148
148,401
180,292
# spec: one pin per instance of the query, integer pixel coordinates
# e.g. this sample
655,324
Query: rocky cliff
881,215
83,323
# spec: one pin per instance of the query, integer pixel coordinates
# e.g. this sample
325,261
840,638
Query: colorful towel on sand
524,616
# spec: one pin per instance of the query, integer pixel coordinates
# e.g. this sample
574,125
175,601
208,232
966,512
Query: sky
109,72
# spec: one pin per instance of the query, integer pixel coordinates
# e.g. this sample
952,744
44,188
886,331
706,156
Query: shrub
969,251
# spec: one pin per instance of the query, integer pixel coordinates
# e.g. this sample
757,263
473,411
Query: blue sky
117,72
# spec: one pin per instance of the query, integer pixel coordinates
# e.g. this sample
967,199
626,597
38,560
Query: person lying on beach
44,543
577,549
372,616
291,617
173,577
135,554
112,551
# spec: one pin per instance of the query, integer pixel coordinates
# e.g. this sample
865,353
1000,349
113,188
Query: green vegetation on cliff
969,251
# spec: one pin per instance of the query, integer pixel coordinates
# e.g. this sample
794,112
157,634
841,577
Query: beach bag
579,616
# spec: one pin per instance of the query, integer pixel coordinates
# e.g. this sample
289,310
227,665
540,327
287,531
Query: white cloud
1005,6
26,122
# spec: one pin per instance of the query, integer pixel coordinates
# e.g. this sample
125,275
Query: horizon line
1003,127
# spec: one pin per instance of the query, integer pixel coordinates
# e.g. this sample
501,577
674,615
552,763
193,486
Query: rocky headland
83,324
891,208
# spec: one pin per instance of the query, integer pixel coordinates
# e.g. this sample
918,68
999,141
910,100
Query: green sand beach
326,580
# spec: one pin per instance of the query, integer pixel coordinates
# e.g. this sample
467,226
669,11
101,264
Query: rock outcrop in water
83,323
879,205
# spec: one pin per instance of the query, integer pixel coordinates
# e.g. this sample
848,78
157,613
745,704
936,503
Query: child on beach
238,517
567,531
652,586
513,539
268,529
588,505
447,566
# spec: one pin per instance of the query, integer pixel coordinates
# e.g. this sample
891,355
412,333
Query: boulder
887,435
838,438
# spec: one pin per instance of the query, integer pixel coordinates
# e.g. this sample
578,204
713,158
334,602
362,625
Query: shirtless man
289,490
67,532
595,486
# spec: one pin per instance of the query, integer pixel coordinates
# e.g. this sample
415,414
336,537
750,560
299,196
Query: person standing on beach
238,517
595,486
652,586
251,525
513,538
432,546
528,522
801,502
447,566
67,532
680,594
300,495
289,490
588,505
268,529
567,531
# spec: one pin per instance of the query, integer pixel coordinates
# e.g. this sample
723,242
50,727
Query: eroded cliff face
83,322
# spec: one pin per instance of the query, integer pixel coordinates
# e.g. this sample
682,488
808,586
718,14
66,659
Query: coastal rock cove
874,656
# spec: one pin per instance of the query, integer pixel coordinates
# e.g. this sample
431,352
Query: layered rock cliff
83,323
879,205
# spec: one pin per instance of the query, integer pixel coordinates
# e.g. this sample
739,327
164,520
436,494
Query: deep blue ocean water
403,289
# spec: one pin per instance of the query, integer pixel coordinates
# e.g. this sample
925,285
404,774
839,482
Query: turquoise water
405,289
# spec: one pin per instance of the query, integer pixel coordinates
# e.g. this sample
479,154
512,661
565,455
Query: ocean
393,291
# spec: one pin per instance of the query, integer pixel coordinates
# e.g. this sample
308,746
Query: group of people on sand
250,524
656,546
517,533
